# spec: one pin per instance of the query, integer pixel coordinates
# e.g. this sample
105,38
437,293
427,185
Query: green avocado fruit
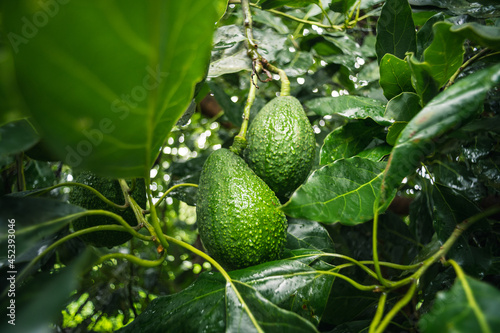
281,145
238,218
111,189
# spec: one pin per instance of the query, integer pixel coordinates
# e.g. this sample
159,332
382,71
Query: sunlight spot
301,80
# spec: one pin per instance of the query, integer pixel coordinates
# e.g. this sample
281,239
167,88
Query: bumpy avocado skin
111,189
238,218
281,145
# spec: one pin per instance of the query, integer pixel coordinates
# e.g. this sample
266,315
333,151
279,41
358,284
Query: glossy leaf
16,137
459,178
425,34
451,209
343,191
39,302
342,6
422,80
376,153
347,141
401,108
451,109
271,291
270,4
111,124
231,110
395,30
42,218
395,76
487,36
306,234
469,306
350,107
421,214
477,8
445,54
299,64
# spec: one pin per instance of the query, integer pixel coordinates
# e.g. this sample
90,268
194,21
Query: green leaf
395,76
343,191
270,4
348,140
487,36
272,292
452,108
425,34
342,6
376,153
39,302
306,234
401,108
231,110
16,137
422,80
469,306
350,107
450,209
395,30
33,219
299,65
445,54
394,132
91,117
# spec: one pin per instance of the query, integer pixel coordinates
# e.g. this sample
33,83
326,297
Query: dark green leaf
403,107
421,214
111,124
16,137
299,65
33,219
350,107
394,132
395,76
452,108
306,234
376,153
422,80
459,178
395,30
469,306
39,303
343,191
487,36
342,6
348,140
231,110
425,34
291,285
212,304
445,54
451,209
474,8
270,4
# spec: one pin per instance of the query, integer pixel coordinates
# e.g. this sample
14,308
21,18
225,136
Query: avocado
281,145
238,218
111,189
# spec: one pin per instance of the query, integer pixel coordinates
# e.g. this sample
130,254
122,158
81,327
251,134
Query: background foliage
404,101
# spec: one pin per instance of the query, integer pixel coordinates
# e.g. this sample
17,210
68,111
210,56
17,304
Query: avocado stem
285,83
240,141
